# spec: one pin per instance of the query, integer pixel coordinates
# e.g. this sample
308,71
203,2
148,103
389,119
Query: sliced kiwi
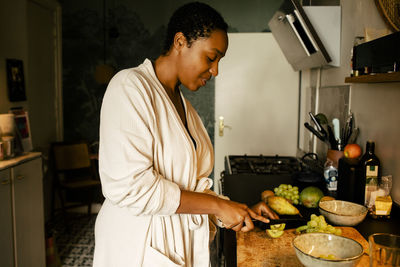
280,226
275,233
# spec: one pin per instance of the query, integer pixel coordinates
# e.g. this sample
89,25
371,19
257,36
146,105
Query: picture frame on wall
15,80
22,129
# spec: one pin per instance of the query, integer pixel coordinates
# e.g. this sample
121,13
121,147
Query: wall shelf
376,78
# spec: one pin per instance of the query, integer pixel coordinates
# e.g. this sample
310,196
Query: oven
246,176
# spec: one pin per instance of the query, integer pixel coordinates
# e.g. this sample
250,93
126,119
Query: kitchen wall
375,106
140,29
13,44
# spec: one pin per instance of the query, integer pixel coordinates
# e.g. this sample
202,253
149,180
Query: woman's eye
211,59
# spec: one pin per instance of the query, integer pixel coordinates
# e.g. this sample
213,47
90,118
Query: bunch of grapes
289,192
317,224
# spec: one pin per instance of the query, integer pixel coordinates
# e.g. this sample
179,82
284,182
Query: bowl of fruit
340,212
323,249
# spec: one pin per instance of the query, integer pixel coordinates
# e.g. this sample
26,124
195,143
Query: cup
8,146
386,184
384,250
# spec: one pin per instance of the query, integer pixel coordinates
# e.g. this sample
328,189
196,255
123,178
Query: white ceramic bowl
313,248
345,213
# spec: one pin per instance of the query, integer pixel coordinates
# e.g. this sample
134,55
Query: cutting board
256,249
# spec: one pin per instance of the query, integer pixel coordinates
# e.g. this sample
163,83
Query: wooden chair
75,181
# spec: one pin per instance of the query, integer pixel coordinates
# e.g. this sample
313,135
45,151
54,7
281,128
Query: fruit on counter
265,194
352,151
276,230
289,192
279,226
317,224
326,198
282,206
274,233
310,196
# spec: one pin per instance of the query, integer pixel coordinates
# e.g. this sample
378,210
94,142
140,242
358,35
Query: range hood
303,45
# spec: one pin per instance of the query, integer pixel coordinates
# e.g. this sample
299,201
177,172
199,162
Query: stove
261,165
245,176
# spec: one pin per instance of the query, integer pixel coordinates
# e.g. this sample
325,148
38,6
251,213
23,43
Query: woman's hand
237,216
262,209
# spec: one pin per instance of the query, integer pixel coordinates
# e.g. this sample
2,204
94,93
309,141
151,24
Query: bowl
313,250
344,213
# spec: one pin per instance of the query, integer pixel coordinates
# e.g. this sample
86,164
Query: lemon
280,226
275,233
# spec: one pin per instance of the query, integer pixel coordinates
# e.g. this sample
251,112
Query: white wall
374,105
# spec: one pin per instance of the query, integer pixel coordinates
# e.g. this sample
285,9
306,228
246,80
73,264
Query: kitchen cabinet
22,216
6,242
377,78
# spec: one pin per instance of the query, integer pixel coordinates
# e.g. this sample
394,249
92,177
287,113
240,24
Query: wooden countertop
256,249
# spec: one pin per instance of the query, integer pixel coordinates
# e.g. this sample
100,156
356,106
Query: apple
352,151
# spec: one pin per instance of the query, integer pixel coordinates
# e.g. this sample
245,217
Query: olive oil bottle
370,174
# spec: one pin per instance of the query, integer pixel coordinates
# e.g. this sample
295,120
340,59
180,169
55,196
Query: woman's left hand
262,209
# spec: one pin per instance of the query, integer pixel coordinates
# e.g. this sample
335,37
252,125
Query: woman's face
199,62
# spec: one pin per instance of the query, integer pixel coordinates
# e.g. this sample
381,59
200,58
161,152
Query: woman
155,154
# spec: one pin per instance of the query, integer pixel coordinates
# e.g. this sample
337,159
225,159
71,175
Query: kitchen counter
255,248
18,159
233,240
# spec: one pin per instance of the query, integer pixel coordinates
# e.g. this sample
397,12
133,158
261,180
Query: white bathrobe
146,157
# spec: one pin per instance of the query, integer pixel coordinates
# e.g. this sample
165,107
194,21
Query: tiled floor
75,246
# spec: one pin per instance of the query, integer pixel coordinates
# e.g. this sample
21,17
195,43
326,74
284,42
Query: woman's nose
214,69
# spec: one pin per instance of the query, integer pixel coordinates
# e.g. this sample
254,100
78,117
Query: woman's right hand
237,216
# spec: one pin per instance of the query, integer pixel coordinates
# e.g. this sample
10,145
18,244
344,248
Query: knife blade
319,126
317,134
290,222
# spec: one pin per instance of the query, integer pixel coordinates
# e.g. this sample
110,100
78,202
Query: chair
75,180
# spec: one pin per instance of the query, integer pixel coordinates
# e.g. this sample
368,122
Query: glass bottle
331,176
370,173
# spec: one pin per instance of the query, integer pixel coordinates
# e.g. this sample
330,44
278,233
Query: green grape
289,192
338,231
317,224
330,229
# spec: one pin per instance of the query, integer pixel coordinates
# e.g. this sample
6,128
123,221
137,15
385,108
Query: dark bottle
347,188
369,174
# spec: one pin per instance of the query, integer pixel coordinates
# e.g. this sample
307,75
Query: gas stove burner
262,164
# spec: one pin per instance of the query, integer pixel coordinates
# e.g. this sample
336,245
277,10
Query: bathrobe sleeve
128,123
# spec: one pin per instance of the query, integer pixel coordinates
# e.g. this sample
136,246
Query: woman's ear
179,41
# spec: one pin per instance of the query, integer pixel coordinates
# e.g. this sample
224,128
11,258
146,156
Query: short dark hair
194,20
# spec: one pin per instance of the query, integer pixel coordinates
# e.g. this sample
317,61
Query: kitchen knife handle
317,134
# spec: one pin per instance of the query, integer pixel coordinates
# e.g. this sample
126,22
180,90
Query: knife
319,127
290,222
336,130
317,134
